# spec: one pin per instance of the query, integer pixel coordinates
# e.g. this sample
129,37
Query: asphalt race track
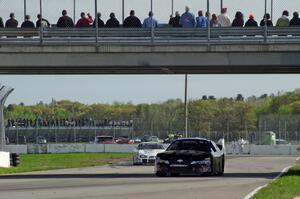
242,175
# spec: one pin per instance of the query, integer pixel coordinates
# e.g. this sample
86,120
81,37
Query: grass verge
42,162
286,187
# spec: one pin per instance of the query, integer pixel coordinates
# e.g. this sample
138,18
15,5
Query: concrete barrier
4,159
94,148
274,150
265,150
16,148
36,148
66,148
124,148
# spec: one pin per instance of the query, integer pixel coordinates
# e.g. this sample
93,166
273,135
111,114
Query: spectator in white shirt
223,19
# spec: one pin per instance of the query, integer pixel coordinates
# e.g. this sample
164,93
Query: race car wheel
135,163
160,174
175,174
223,165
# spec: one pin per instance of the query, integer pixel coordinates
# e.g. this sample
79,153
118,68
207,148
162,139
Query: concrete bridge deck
229,51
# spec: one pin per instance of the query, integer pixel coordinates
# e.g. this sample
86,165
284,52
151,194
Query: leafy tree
239,97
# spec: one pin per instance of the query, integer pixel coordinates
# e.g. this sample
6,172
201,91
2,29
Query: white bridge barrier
125,148
4,159
264,150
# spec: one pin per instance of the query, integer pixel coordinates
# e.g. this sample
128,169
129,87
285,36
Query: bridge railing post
25,9
41,23
123,11
74,11
208,22
221,6
272,9
266,25
172,7
96,21
152,24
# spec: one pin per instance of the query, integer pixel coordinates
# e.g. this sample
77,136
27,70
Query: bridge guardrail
147,35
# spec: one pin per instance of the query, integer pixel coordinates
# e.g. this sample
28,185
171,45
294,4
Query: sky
141,89
161,8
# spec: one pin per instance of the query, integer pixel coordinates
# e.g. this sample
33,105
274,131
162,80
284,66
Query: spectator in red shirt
83,22
90,18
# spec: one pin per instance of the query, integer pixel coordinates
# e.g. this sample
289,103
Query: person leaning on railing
100,21
223,19
150,22
83,22
112,22
27,23
187,19
251,22
45,23
267,17
65,21
174,21
295,21
11,22
132,21
283,20
214,22
238,20
201,21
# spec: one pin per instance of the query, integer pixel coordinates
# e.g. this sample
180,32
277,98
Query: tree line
229,117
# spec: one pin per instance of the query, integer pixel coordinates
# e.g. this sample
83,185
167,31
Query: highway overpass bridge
149,51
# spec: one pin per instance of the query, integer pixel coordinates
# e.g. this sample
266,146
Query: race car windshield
150,146
104,139
190,145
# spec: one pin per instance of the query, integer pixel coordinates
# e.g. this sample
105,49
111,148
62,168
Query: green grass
42,162
286,187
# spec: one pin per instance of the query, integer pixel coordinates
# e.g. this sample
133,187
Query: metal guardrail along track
84,36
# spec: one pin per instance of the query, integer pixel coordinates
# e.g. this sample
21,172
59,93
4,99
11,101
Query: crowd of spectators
186,20
84,122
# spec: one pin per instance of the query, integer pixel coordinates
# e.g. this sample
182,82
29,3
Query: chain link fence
285,127
64,134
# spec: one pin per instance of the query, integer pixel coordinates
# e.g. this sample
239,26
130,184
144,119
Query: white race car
146,152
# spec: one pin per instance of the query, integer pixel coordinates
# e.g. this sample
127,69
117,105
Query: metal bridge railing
145,35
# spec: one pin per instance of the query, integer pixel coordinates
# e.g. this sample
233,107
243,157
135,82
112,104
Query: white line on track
298,159
250,195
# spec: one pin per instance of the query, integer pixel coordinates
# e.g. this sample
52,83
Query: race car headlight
143,156
205,161
160,161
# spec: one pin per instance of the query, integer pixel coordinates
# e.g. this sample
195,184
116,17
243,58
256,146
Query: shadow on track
132,175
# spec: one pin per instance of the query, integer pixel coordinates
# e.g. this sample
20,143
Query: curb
251,194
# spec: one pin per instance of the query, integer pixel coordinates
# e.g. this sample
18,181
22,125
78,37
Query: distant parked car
41,140
105,140
146,138
137,140
146,152
124,140
282,142
154,139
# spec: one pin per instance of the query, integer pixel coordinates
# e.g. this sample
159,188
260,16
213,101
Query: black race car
191,156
